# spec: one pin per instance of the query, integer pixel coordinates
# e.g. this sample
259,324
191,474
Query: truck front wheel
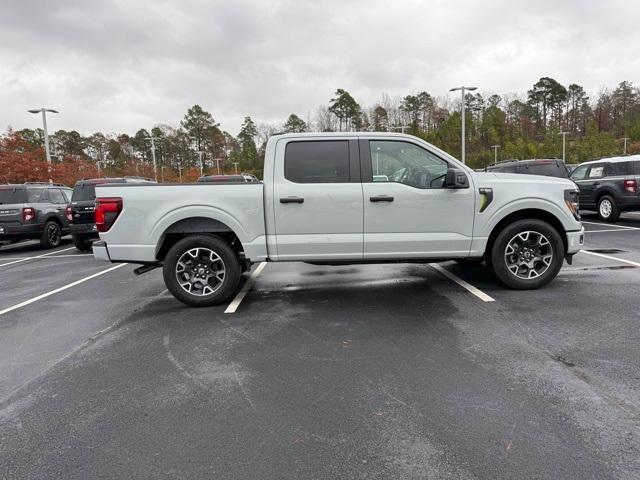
527,254
201,270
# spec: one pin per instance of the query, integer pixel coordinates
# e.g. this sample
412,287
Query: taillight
631,185
107,210
28,213
69,214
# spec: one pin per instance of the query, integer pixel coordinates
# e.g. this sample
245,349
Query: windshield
84,192
12,195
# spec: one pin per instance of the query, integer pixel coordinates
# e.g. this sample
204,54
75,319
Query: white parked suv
341,198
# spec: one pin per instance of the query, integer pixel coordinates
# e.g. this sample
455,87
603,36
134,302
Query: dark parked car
240,178
546,167
609,186
80,212
34,211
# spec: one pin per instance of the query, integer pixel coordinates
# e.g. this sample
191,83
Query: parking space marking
37,256
611,230
467,286
233,306
618,259
60,289
611,225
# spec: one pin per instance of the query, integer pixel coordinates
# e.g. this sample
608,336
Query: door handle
292,200
597,184
381,198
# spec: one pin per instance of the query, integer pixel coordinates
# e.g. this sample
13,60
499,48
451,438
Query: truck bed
150,209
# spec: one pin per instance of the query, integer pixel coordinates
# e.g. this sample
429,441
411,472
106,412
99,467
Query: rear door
317,199
407,212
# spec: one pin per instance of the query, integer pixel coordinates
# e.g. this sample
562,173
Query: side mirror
456,178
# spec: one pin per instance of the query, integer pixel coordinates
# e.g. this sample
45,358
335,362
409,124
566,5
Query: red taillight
69,214
28,214
107,210
631,185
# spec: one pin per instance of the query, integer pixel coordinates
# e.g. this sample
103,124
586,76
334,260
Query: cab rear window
84,192
12,195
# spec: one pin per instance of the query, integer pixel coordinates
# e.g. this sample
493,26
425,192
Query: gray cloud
119,65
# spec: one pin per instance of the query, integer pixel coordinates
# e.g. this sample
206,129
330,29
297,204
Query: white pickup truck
341,198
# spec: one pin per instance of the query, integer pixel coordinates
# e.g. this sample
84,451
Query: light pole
564,146
46,134
218,165
180,172
495,153
152,139
462,90
625,145
200,152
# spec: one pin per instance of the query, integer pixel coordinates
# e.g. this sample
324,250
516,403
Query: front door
317,200
407,211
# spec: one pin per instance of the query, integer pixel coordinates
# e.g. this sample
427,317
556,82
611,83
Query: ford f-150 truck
341,198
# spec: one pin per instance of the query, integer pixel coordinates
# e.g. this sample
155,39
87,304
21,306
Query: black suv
609,186
34,211
80,212
545,167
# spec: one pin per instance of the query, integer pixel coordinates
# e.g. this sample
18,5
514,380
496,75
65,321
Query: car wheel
82,244
52,235
608,209
527,254
201,270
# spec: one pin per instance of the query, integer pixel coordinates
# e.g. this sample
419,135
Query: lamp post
495,153
625,144
462,90
564,146
46,134
152,139
180,172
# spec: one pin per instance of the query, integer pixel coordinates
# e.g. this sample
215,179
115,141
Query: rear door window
37,195
56,196
619,168
12,195
317,161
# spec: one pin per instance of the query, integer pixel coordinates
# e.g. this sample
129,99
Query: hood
524,179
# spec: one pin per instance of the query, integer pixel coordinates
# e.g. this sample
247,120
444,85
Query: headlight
571,200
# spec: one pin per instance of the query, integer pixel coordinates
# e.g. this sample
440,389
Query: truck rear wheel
527,254
201,270
81,243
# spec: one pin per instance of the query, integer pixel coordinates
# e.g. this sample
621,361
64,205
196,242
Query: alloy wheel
605,208
528,254
200,271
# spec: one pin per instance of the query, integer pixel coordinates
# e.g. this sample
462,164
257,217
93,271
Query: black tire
222,290
608,209
499,258
52,235
81,243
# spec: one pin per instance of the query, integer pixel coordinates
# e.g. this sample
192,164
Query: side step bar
147,268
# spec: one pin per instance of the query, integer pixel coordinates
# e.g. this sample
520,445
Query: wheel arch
196,225
527,214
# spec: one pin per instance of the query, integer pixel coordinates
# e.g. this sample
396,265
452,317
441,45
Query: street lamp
462,90
495,153
564,146
152,139
46,134
625,144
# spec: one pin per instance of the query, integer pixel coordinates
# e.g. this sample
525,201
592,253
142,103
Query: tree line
523,126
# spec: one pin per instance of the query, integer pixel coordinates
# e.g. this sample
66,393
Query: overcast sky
117,66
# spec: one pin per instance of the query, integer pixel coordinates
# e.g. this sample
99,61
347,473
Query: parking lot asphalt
368,371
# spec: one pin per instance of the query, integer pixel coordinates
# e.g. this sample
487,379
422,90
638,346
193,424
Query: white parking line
611,230
37,256
470,288
58,290
233,306
611,225
618,259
